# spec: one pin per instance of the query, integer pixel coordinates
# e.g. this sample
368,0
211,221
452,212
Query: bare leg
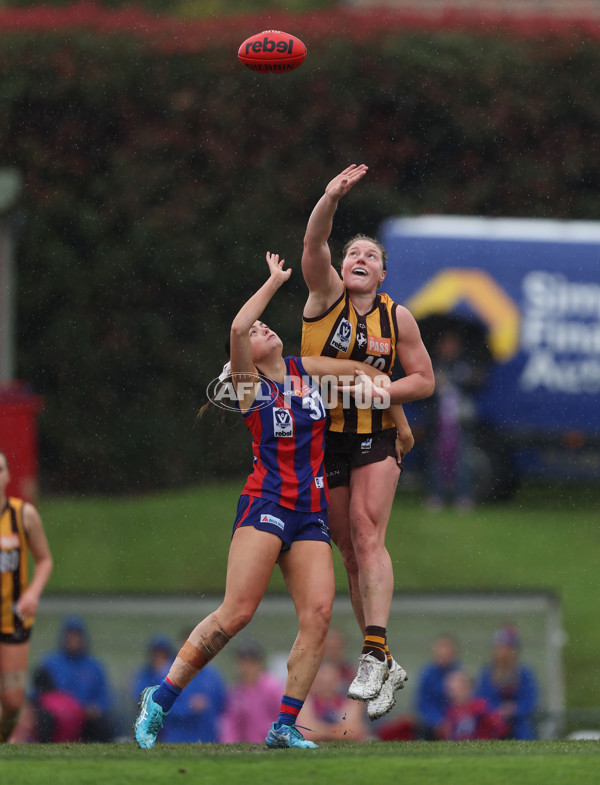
13,666
252,556
372,490
308,572
339,525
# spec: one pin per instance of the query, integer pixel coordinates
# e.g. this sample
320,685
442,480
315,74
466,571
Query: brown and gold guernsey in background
13,566
371,338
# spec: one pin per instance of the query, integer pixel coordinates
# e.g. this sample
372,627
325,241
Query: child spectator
469,718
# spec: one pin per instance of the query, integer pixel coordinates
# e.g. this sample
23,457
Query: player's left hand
278,274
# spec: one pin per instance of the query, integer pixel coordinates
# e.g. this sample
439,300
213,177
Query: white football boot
383,702
370,678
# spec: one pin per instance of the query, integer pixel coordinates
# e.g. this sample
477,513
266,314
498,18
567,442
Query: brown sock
375,642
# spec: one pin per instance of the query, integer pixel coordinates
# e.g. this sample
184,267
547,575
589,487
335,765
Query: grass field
408,763
178,541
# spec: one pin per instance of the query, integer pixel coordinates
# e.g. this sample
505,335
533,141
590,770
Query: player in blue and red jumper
281,516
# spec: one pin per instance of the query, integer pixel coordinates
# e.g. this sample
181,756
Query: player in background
281,517
21,531
344,316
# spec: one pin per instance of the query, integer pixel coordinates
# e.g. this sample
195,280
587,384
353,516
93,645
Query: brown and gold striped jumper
370,338
13,566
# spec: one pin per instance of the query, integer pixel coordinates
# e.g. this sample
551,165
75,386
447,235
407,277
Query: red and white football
272,52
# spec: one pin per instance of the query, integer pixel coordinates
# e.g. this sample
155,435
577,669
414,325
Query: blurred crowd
71,699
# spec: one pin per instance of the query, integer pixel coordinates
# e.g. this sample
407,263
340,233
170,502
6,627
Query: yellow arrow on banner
487,299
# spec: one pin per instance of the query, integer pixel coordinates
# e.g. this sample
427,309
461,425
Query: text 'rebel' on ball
272,52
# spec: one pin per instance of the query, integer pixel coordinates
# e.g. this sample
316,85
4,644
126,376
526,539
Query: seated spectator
253,700
160,653
467,717
329,713
509,686
431,698
59,717
73,670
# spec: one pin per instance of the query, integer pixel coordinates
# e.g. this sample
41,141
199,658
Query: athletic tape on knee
12,680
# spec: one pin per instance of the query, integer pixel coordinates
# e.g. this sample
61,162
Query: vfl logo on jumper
342,337
366,445
319,483
273,521
283,425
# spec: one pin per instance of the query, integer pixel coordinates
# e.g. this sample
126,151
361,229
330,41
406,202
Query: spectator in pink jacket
252,701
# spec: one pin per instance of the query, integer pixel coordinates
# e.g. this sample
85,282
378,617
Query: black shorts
346,451
20,635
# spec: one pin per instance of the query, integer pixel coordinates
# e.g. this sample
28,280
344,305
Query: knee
233,620
317,619
366,538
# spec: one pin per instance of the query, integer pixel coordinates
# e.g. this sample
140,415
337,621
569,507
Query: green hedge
157,177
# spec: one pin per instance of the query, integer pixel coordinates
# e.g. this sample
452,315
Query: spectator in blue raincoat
75,671
432,701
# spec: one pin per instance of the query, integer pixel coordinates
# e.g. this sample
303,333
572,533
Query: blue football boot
149,721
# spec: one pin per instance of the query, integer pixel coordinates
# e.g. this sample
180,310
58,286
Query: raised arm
243,369
324,283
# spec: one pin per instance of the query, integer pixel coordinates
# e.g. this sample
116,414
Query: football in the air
272,52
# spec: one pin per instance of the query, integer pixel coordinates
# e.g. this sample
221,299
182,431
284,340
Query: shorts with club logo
346,451
289,525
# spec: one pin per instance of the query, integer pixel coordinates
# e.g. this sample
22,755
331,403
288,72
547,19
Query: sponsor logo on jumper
378,345
342,337
283,425
269,45
9,541
264,518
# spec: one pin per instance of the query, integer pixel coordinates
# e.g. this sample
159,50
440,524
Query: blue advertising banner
535,286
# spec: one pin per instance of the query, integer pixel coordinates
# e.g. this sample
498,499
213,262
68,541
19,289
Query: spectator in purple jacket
253,700
510,686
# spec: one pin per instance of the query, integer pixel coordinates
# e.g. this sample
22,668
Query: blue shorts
289,525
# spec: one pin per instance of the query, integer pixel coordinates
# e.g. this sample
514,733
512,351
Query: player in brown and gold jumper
345,317
21,531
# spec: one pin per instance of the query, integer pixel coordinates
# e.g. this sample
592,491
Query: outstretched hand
278,274
344,181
